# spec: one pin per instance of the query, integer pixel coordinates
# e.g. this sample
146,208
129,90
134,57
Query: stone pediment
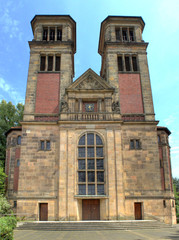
90,81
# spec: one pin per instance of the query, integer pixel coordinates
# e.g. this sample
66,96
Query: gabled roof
90,81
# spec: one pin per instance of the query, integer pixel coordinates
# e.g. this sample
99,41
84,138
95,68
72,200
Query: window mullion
124,64
54,62
48,34
46,62
130,62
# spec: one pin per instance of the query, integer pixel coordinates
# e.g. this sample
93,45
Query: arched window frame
91,170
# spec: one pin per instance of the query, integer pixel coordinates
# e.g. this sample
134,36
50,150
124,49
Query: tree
2,181
10,116
176,193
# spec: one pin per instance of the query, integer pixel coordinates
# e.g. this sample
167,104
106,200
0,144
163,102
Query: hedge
7,224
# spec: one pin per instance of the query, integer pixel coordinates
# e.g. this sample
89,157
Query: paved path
154,234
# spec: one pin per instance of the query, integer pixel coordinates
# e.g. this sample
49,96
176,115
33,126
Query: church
89,149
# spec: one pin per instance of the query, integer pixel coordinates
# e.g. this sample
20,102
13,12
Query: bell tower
125,67
51,67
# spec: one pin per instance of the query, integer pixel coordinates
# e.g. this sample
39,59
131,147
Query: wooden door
91,209
138,211
43,211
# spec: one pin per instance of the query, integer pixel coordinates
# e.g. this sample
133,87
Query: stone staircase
91,225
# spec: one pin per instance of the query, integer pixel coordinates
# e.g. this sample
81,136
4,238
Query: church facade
89,149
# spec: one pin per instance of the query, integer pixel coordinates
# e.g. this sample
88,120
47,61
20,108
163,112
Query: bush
7,224
177,215
5,207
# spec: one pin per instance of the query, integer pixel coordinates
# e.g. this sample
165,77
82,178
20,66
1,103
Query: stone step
91,226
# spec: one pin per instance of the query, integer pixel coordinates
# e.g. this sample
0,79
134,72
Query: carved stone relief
116,107
64,106
89,83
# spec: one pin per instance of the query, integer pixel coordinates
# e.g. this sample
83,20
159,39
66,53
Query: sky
161,31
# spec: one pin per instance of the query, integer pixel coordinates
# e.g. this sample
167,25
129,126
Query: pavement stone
142,234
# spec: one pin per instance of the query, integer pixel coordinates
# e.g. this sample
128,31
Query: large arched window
90,165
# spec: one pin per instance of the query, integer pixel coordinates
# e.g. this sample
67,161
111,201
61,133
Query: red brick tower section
51,67
125,67
47,93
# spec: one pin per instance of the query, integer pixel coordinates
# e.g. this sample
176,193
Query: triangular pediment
90,81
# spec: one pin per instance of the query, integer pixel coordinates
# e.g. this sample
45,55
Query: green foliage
10,116
2,180
176,193
5,207
7,224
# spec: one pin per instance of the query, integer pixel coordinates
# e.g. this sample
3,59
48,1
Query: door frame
141,210
40,210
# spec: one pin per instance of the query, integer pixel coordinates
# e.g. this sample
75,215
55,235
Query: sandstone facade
90,149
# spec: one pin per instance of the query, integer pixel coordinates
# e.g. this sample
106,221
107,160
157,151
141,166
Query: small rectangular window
131,35
137,144
57,63
118,35
42,63
47,145
159,140
45,34
42,145
59,34
19,140
120,66
124,34
164,204
134,63
18,163
15,204
132,144
127,63
52,34
50,63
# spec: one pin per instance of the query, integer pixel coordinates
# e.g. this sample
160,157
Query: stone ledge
91,196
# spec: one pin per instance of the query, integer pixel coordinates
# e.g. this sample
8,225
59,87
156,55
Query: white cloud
13,94
168,121
9,25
